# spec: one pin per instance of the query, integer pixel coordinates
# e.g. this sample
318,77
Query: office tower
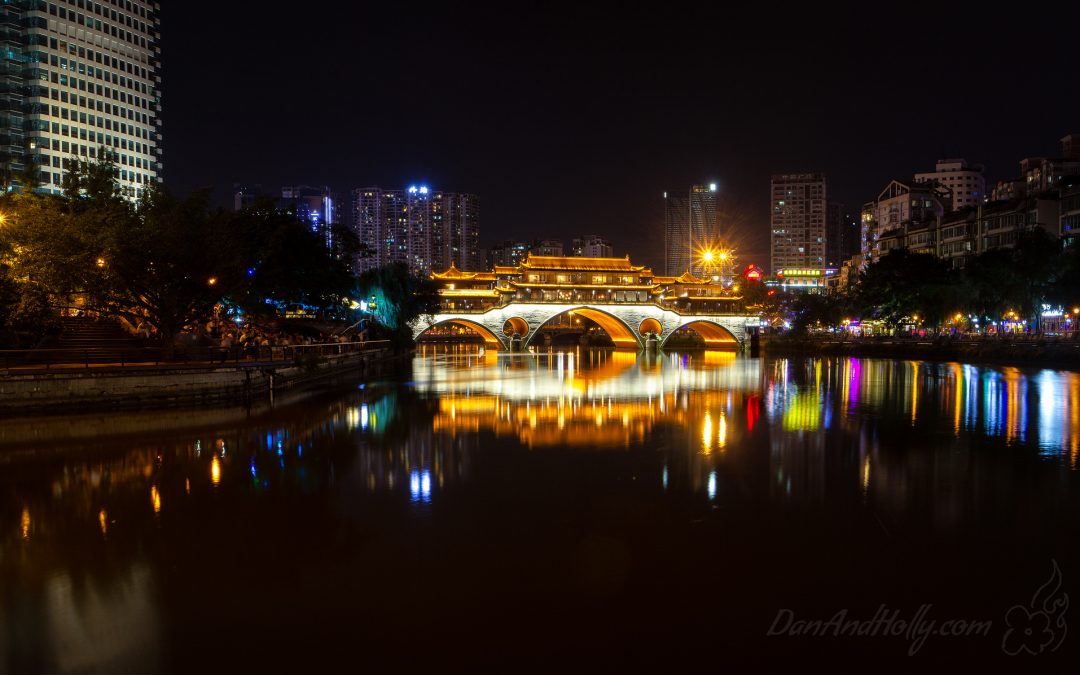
314,206
798,221
842,235
425,229
77,76
966,182
690,226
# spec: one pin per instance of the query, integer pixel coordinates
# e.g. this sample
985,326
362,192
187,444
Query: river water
597,511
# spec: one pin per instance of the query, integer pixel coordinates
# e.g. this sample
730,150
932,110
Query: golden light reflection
914,385
721,434
25,522
866,474
187,485
155,498
1013,403
103,522
215,471
958,395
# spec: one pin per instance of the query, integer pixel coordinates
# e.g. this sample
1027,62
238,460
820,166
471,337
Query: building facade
425,229
798,227
691,224
965,182
900,205
79,77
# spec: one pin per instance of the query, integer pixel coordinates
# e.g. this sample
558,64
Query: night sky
569,121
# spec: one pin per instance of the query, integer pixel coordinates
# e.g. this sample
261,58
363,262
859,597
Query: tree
902,284
399,296
284,261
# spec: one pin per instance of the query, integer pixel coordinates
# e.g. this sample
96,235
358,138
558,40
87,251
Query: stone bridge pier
626,324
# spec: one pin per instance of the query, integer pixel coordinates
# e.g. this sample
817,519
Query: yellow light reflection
706,433
103,521
155,498
721,435
215,471
25,522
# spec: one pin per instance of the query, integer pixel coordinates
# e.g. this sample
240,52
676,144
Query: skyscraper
690,224
798,221
314,206
76,76
427,230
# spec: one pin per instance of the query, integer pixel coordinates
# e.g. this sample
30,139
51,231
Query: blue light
251,273
423,189
364,416
412,189
712,485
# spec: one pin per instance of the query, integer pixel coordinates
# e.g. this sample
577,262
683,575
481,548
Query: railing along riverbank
108,357
1012,350
256,377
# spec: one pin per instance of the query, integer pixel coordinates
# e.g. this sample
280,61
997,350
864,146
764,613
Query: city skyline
591,134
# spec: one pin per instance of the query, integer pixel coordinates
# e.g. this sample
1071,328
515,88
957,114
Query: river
591,510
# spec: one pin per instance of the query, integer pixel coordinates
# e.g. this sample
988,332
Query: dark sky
568,120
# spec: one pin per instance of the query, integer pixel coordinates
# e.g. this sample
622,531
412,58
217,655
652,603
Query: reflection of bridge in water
598,399
510,305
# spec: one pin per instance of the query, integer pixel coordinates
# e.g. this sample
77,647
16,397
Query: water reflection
95,533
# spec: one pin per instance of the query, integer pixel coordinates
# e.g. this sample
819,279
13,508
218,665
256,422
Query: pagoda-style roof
578,263
454,274
506,269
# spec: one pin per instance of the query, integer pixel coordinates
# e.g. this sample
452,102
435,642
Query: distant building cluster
510,253
428,230
950,213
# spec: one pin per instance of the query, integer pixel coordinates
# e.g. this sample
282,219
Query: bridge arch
491,340
515,325
620,333
715,335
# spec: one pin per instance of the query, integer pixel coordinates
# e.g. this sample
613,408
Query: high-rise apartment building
966,182
591,246
798,221
426,229
77,76
690,225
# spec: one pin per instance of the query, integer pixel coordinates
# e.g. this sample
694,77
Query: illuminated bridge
511,304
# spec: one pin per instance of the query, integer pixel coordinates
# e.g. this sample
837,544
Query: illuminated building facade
691,224
965,182
425,229
798,228
574,279
78,77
